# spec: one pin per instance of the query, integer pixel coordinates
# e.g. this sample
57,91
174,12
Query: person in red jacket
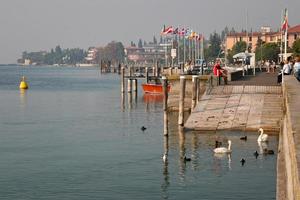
219,71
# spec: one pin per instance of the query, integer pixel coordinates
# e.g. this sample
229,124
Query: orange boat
154,88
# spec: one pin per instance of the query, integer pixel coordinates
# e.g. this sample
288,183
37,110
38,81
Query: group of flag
190,34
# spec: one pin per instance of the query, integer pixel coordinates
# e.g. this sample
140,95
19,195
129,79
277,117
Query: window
250,39
240,39
295,36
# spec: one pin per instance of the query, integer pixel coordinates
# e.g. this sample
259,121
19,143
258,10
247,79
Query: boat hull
154,88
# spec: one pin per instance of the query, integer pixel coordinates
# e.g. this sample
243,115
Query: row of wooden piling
195,98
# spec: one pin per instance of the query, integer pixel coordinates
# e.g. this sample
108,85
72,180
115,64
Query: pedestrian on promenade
297,68
286,71
267,64
219,71
273,66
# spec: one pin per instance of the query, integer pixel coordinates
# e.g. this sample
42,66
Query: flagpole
281,34
202,47
178,41
172,50
285,37
166,59
184,49
189,49
195,46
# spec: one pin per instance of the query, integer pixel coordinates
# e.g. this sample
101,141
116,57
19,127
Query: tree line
113,51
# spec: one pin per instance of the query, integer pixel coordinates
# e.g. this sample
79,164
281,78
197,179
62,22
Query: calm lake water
68,137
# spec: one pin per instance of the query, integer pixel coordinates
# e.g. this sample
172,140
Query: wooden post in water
147,74
119,68
122,80
129,85
101,65
134,85
165,105
194,91
181,68
199,89
157,69
181,101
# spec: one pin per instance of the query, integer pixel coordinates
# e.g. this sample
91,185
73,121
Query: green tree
296,47
154,40
268,51
214,47
237,48
140,43
113,51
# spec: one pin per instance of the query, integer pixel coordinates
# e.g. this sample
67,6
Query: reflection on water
23,98
166,182
153,98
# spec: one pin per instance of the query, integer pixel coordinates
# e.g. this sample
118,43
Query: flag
193,35
182,32
175,31
285,24
167,30
199,37
187,33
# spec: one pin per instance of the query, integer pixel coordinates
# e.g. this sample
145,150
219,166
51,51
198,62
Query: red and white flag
285,24
167,30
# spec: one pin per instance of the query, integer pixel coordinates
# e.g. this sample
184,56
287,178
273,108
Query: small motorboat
154,87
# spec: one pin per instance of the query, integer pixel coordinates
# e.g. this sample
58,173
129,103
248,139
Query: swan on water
262,137
224,149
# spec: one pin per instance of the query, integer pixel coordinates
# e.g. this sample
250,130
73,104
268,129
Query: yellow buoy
23,84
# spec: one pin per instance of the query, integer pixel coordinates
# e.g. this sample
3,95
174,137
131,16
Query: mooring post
101,63
119,68
181,101
129,85
194,91
147,74
199,88
181,68
157,69
134,84
122,80
165,105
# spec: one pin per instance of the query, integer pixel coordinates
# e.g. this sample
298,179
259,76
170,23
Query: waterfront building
91,55
149,53
265,35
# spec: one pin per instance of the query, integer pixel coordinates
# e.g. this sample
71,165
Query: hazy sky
34,25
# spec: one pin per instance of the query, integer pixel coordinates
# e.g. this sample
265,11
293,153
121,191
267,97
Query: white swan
262,137
224,149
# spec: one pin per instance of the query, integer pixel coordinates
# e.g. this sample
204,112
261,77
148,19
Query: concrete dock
245,108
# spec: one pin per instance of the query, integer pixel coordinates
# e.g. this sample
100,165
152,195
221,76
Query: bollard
165,105
134,85
129,85
147,75
194,91
199,89
181,101
122,80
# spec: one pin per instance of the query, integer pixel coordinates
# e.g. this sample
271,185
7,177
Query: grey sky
35,25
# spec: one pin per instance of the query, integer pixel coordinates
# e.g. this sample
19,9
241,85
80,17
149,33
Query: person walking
297,68
286,70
